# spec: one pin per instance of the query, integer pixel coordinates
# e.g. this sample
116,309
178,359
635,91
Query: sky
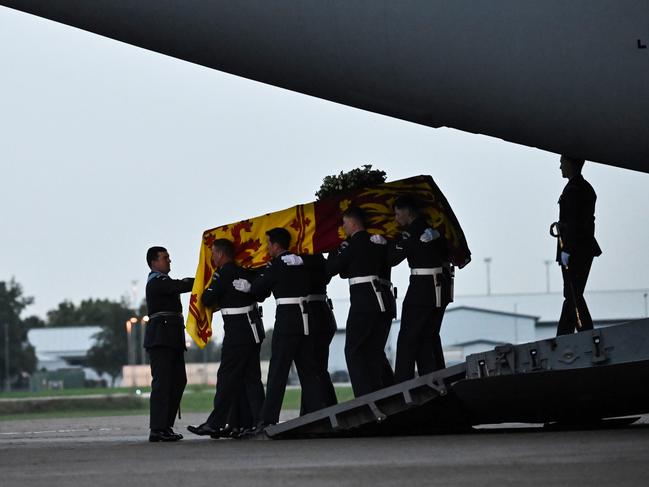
107,149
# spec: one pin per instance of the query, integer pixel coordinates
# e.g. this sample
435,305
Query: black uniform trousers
321,342
241,414
286,349
323,329
387,374
577,275
238,381
321,354
364,350
167,386
419,342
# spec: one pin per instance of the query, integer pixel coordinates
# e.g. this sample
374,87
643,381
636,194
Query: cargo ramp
573,379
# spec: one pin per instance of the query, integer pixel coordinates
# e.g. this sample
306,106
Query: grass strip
196,399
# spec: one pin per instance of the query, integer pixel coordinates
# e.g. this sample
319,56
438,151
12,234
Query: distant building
61,348
612,305
465,324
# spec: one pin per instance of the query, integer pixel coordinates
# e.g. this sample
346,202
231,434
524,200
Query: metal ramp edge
375,407
474,393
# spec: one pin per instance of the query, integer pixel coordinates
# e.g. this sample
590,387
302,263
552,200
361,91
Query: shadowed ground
113,451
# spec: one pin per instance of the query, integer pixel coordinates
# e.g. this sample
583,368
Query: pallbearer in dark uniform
390,302
164,340
360,260
322,323
286,278
428,294
239,375
385,275
576,245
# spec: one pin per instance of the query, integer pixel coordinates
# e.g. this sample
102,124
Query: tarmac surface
114,451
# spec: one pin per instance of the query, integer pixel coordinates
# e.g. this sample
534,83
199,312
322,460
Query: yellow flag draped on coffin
316,227
249,237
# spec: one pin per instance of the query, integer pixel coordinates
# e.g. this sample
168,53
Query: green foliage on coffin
361,177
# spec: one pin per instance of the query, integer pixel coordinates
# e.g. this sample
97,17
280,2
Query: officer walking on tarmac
286,278
164,340
239,375
576,245
429,291
360,260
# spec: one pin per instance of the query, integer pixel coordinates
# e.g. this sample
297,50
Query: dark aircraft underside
566,77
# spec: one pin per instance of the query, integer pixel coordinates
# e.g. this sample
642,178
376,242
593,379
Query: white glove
242,285
429,235
292,259
378,239
565,256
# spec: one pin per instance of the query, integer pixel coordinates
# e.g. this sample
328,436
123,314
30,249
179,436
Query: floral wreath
361,177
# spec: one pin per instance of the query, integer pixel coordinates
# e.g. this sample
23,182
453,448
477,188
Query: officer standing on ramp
576,245
429,291
239,374
164,340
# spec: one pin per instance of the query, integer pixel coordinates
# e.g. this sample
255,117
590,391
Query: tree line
110,350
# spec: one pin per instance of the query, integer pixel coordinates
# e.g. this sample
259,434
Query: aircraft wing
567,77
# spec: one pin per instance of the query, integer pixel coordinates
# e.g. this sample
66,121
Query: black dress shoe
173,433
236,433
224,432
202,430
162,435
255,431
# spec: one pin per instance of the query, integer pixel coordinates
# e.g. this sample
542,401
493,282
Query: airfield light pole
128,341
131,341
547,275
7,380
487,262
130,349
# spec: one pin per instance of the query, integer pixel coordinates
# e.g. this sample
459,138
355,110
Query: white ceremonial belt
432,271
238,311
372,280
362,280
316,297
300,301
244,310
436,272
